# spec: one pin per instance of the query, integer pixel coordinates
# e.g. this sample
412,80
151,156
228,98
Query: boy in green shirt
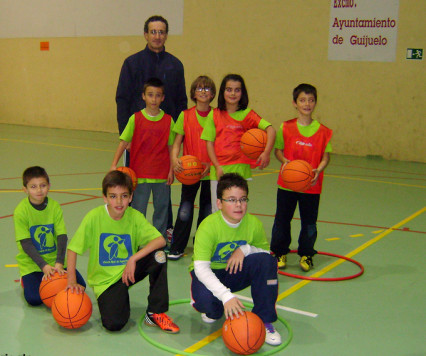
41,236
231,253
114,234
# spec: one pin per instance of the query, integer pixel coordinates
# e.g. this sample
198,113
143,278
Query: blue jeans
259,271
31,283
281,230
160,197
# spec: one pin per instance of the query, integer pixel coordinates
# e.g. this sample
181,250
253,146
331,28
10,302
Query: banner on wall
363,30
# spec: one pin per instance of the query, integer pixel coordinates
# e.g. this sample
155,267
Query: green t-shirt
209,134
43,227
111,243
127,136
306,131
215,240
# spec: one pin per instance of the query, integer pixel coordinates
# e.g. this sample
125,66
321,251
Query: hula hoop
328,279
177,351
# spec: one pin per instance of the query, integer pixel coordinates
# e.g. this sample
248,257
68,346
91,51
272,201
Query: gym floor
372,211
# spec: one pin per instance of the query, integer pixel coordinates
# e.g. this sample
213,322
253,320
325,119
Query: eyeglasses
207,90
160,32
234,201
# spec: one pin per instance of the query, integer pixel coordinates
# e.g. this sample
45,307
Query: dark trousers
114,303
185,214
281,230
31,283
259,271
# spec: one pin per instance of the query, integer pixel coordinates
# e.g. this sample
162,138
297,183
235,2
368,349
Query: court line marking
291,310
55,144
301,284
203,342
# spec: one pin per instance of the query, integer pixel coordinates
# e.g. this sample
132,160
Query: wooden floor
371,210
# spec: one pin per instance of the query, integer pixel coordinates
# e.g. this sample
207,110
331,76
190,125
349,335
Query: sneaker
272,336
282,261
169,235
306,263
206,319
174,256
162,321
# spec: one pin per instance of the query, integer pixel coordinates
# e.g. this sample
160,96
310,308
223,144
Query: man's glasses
234,201
160,32
207,90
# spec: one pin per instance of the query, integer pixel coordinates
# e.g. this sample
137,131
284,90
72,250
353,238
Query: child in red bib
305,139
188,129
149,136
231,120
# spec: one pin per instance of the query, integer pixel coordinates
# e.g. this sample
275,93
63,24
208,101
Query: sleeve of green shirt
22,229
178,127
171,134
127,133
279,140
80,241
209,132
263,124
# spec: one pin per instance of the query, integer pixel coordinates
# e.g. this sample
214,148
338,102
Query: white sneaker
174,256
206,319
272,336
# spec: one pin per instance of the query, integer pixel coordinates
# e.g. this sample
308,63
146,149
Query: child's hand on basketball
316,175
129,272
48,272
177,165
233,307
235,262
263,160
206,170
59,267
74,287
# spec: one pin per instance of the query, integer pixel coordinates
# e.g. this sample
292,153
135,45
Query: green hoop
177,351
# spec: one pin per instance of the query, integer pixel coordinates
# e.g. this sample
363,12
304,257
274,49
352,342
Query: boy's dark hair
34,172
229,180
154,19
114,179
202,81
304,88
243,103
153,82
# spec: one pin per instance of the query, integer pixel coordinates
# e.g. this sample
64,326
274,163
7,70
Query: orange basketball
130,172
297,175
50,287
253,143
244,335
192,170
71,310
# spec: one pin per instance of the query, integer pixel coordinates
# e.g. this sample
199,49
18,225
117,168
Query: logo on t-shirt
114,250
224,250
43,239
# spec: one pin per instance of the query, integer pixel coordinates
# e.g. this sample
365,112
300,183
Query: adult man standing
153,61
